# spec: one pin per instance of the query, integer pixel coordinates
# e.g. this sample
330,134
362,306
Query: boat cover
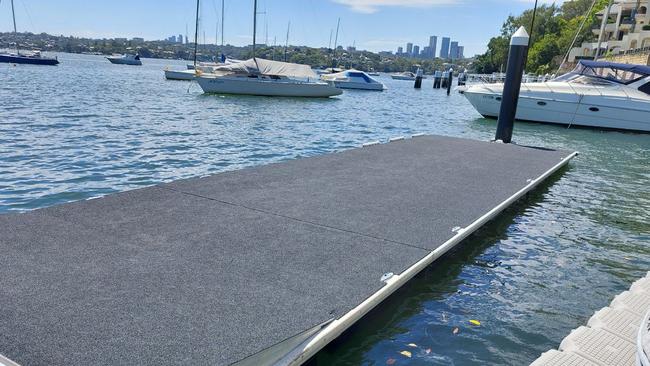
639,69
260,66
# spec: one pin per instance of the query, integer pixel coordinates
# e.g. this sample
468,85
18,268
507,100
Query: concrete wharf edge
331,226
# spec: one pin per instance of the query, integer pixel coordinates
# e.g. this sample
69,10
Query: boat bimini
353,79
595,94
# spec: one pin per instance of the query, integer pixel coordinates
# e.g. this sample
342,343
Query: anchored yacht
595,94
268,78
126,59
353,79
405,76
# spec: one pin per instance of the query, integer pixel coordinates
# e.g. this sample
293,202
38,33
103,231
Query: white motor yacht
268,78
595,94
405,76
353,79
126,59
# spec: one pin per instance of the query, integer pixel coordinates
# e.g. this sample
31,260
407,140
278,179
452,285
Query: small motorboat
353,79
405,76
126,59
180,75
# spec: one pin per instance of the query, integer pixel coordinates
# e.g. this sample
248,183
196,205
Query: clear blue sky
373,24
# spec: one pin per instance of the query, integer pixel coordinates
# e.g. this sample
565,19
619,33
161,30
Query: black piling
450,81
512,85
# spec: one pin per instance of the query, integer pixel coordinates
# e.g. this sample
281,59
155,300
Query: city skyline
363,23
451,50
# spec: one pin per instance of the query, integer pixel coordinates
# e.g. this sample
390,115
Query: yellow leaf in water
412,345
475,322
406,353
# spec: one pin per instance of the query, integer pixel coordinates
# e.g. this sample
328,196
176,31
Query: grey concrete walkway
215,270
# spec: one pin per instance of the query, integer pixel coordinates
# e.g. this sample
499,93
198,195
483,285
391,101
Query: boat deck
610,337
253,266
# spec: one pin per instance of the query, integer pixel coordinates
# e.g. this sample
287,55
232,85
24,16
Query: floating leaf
391,361
456,330
475,322
406,353
412,345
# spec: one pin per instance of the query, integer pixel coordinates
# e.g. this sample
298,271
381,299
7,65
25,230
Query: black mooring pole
512,85
451,80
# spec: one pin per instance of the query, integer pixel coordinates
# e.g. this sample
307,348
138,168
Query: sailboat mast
336,40
222,19
13,14
254,24
286,43
196,33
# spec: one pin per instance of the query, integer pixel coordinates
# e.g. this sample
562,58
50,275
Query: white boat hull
570,109
255,86
180,75
408,78
124,61
358,86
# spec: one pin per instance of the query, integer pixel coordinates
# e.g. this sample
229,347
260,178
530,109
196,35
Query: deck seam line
299,220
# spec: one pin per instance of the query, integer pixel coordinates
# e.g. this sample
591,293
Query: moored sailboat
33,58
265,77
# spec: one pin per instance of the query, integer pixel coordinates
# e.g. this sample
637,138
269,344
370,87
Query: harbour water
88,128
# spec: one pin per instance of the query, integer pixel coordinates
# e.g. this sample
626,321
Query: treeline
552,35
315,57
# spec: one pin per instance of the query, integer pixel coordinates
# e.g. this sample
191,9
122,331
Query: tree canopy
552,35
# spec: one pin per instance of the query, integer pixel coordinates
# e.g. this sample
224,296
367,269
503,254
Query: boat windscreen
645,88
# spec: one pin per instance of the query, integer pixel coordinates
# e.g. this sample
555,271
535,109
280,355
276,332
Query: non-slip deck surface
212,270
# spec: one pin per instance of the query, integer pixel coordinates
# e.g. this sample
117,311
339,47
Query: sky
374,25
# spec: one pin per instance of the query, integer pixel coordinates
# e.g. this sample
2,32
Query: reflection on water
88,128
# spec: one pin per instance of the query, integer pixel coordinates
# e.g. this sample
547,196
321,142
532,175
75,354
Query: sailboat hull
271,88
19,59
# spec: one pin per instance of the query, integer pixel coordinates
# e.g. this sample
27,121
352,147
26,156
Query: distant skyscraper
453,51
179,39
416,51
461,52
400,50
444,47
409,48
433,46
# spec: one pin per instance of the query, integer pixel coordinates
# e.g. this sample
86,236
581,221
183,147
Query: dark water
88,128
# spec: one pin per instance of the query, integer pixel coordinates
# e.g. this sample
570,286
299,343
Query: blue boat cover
639,69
